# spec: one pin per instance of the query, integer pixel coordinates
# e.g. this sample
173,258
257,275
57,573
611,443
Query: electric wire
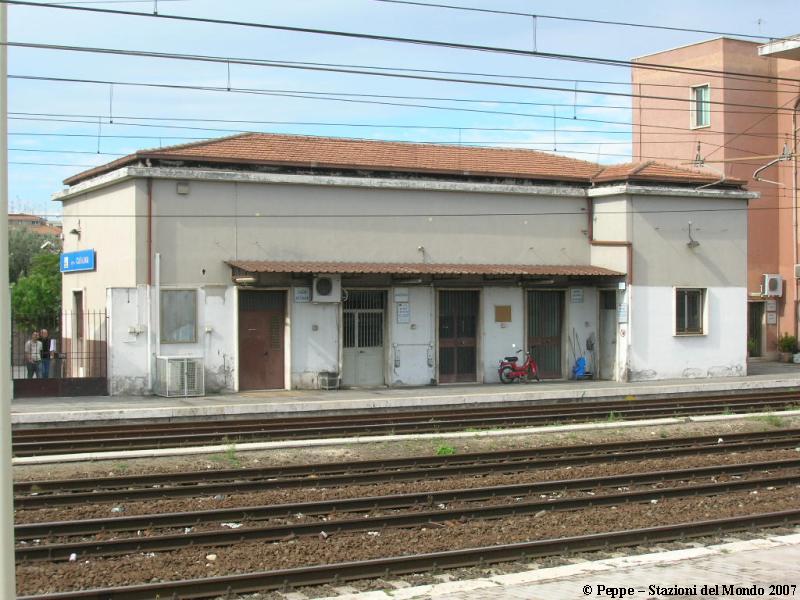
261,63
410,41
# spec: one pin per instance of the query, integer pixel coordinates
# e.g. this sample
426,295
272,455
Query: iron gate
72,362
363,333
545,323
458,336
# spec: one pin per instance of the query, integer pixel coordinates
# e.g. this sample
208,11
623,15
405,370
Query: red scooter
510,370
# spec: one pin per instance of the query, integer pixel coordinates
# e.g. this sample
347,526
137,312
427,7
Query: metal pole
7,577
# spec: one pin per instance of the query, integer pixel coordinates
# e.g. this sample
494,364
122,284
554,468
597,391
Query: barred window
689,309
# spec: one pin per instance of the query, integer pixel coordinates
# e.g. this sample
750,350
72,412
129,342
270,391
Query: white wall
127,349
499,339
314,341
413,353
128,352
656,353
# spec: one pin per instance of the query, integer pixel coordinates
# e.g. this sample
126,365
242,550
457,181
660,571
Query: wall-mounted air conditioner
327,288
773,285
180,376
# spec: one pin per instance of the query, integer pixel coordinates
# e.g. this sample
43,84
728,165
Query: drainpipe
794,209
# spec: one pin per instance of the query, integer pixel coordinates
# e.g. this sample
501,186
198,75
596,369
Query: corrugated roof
354,154
267,266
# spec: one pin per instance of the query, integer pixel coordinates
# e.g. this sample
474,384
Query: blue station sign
72,262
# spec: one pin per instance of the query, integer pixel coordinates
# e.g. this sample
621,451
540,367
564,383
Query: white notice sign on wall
403,312
622,313
302,294
576,295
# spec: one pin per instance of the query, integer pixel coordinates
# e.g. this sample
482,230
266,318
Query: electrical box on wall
327,288
797,271
773,285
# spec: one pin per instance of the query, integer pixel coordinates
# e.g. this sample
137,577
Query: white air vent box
179,376
773,285
327,288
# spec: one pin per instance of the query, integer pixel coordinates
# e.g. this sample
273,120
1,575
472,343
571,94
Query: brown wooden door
545,326
261,330
458,336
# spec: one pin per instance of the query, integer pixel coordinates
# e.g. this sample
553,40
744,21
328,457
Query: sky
59,128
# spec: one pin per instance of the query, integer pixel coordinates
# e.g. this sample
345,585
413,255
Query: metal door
608,333
755,320
458,336
363,352
545,325
262,318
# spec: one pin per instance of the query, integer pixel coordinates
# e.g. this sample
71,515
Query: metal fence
70,346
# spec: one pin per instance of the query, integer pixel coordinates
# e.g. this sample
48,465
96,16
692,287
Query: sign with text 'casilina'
82,260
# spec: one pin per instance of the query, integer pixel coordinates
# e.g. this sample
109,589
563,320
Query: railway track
60,440
416,511
398,565
50,493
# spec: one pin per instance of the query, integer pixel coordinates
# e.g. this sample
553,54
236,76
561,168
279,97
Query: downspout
794,210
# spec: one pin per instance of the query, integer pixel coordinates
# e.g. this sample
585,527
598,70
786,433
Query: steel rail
228,537
84,527
150,479
43,448
410,474
399,565
549,409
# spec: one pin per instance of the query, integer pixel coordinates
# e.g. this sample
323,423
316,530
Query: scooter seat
512,358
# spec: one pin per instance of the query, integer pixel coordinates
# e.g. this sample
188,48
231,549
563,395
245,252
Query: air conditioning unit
180,376
327,288
773,285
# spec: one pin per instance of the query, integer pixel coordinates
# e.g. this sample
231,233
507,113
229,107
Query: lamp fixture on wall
692,243
76,230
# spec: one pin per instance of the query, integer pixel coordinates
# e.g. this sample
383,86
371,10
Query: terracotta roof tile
264,266
373,155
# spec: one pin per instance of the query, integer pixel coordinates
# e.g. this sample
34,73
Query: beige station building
281,262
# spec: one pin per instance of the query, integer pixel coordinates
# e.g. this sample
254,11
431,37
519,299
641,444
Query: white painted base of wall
655,352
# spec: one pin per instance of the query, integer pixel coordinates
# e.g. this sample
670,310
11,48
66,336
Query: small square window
689,310
701,106
178,316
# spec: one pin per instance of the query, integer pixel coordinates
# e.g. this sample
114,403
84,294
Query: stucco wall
413,352
315,341
106,223
657,353
580,327
222,221
499,339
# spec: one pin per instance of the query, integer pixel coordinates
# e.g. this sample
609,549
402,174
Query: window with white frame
178,316
701,106
689,311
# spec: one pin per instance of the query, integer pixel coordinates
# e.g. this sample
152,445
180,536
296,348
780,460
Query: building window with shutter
178,316
690,311
701,106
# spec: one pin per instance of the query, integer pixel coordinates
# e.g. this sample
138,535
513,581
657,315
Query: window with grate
689,309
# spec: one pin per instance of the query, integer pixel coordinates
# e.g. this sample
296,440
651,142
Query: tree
23,246
36,297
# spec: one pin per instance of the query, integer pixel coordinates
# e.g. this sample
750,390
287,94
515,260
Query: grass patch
445,450
613,417
772,420
121,467
228,456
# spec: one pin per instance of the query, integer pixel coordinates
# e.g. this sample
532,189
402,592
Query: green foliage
445,451
787,343
23,246
36,297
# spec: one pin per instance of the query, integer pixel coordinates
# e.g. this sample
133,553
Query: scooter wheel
505,375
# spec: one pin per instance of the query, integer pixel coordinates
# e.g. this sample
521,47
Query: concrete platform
751,566
43,411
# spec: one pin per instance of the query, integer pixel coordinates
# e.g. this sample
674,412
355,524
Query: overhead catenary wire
411,41
572,19
256,91
269,64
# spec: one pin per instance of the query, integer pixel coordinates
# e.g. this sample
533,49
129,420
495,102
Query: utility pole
7,577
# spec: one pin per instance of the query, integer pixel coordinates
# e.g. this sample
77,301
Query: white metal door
363,352
608,333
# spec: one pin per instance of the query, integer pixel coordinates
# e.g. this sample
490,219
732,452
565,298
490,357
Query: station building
289,262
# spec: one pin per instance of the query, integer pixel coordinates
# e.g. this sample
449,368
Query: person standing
33,355
48,350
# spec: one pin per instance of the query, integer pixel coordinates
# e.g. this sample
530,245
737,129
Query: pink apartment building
737,114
